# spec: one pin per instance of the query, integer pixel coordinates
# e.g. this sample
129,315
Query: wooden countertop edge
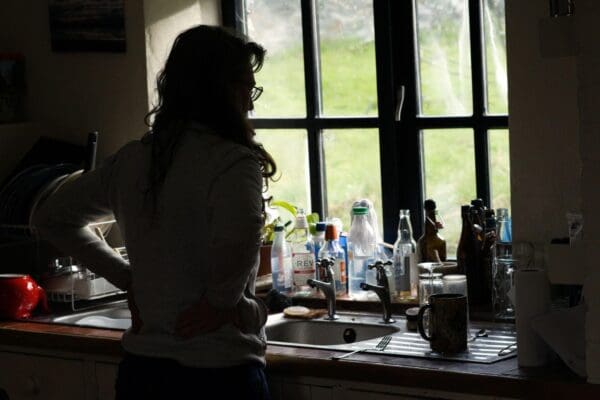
500,379
368,369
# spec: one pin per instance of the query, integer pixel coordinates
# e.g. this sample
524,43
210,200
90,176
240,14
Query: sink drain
349,335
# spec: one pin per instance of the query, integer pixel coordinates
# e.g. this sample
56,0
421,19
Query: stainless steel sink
349,328
114,315
352,331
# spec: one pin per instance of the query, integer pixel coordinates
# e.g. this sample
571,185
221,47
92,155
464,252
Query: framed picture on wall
12,87
87,25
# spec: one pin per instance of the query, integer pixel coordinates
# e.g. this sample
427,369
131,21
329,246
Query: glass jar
429,284
503,293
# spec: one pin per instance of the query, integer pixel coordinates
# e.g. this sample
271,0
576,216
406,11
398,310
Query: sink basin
110,316
319,332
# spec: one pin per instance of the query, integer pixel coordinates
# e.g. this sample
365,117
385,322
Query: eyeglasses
255,93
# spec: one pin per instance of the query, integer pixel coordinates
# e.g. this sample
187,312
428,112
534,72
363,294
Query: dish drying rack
71,282
65,280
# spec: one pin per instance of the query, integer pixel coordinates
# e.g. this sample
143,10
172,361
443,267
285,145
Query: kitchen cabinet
288,387
27,374
51,361
106,375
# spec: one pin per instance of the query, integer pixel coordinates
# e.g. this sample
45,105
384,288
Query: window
395,101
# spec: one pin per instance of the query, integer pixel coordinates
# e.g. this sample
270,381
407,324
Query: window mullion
313,106
386,85
409,167
482,169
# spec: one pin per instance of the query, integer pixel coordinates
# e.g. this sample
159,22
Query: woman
188,202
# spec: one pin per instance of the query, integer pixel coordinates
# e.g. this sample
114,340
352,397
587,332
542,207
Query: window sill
345,303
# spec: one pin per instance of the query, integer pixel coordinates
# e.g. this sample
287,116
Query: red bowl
19,296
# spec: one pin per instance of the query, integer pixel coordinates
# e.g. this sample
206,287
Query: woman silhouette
188,201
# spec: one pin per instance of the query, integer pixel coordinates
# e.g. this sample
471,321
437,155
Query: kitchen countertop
503,378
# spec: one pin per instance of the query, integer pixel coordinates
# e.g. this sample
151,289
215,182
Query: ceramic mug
447,322
19,296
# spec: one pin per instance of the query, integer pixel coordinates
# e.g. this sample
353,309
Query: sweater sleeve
64,218
235,223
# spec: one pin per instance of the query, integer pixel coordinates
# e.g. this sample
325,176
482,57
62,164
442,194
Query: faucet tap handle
382,279
326,265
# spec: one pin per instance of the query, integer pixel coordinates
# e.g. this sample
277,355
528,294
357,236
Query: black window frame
400,139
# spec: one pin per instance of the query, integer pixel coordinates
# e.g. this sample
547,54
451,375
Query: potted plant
278,212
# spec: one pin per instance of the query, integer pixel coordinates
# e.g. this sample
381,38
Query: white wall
164,21
70,94
544,128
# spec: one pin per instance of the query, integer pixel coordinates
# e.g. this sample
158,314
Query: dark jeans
156,378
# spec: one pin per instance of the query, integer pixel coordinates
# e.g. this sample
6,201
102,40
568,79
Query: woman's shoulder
220,151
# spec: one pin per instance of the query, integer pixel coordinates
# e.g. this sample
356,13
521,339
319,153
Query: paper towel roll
532,299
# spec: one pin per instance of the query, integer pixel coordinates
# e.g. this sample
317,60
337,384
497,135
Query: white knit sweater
202,240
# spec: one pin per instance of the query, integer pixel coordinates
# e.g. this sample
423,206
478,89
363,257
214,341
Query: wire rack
75,284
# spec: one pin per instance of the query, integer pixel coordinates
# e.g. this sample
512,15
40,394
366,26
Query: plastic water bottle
332,250
362,244
319,238
281,262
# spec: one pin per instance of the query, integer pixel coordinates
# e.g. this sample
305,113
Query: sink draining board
481,350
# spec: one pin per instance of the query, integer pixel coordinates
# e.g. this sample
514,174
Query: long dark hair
196,85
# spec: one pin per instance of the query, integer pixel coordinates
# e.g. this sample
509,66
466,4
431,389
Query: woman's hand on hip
203,318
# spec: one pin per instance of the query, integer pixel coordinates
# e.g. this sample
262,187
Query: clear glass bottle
405,259
361,252
332,249
431,243
281,262
303,256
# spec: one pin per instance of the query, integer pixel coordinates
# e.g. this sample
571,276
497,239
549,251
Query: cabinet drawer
24,376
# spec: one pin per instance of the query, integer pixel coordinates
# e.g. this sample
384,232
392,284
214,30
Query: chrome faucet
382,289
328,288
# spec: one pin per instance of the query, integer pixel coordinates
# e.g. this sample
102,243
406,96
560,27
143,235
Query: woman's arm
63,220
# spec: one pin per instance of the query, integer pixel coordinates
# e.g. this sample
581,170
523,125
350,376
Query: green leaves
281,212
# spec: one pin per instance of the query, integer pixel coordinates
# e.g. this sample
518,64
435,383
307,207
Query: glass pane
499,168
289,148
277,26
449,161
495,56
353,171
444,54
347,43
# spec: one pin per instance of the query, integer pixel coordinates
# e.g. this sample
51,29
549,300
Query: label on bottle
413,274
402,273
303,265
340,275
